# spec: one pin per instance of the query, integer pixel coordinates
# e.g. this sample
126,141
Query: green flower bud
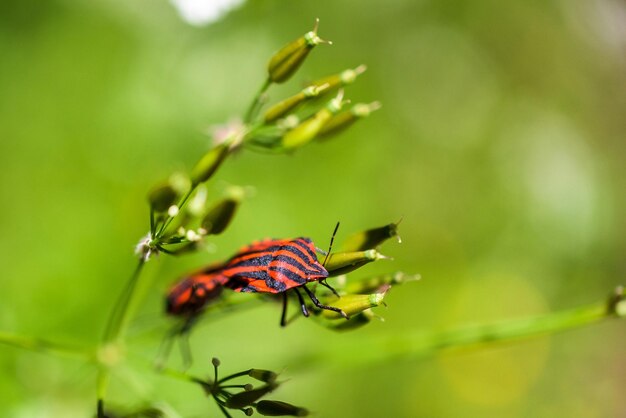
162,197
245,398
209,164
328,84
166,194
345,262
345,119
288,59
371,238
373,284
286,106
280,409
220,216
266,376
617,302
354,304
308,129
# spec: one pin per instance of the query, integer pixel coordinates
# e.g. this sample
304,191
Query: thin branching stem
256,102
118,320
421,344
233,376
116,328
180,205
46,346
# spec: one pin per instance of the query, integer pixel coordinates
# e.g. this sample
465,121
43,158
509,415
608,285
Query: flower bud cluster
317,111
246,397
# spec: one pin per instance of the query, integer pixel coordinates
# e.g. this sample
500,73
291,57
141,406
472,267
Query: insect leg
185,350
283,317
326,285
317,303
165,348
305,311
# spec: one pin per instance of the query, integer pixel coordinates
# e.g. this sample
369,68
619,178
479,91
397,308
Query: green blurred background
500,143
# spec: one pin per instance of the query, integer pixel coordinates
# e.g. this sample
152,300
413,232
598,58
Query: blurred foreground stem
109,351
256,102
46,346
421,344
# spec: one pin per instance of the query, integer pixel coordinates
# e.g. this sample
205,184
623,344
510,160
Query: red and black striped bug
268,266
278,266
189,296
187,299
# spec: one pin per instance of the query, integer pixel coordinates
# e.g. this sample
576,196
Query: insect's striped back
274,266
190,295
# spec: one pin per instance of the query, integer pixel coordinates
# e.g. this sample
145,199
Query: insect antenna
330,247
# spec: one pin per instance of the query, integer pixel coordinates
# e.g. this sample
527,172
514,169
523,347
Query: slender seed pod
354,304
209,164
288,105
331,82
248,397
347,118
345,262
162,197
371,238
288,59
266,376
307,130
165,194
220,216
280,409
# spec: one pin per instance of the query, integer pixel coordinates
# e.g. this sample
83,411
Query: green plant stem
46,346
421,344
117,325
171,218
118,320
256,101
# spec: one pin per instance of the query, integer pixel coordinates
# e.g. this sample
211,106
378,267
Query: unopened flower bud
288,105
354,304
371,238
209,164
266,376
280,409
288,59
308,129
345,262
164,195
347,118
245,398
328,84
220,216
